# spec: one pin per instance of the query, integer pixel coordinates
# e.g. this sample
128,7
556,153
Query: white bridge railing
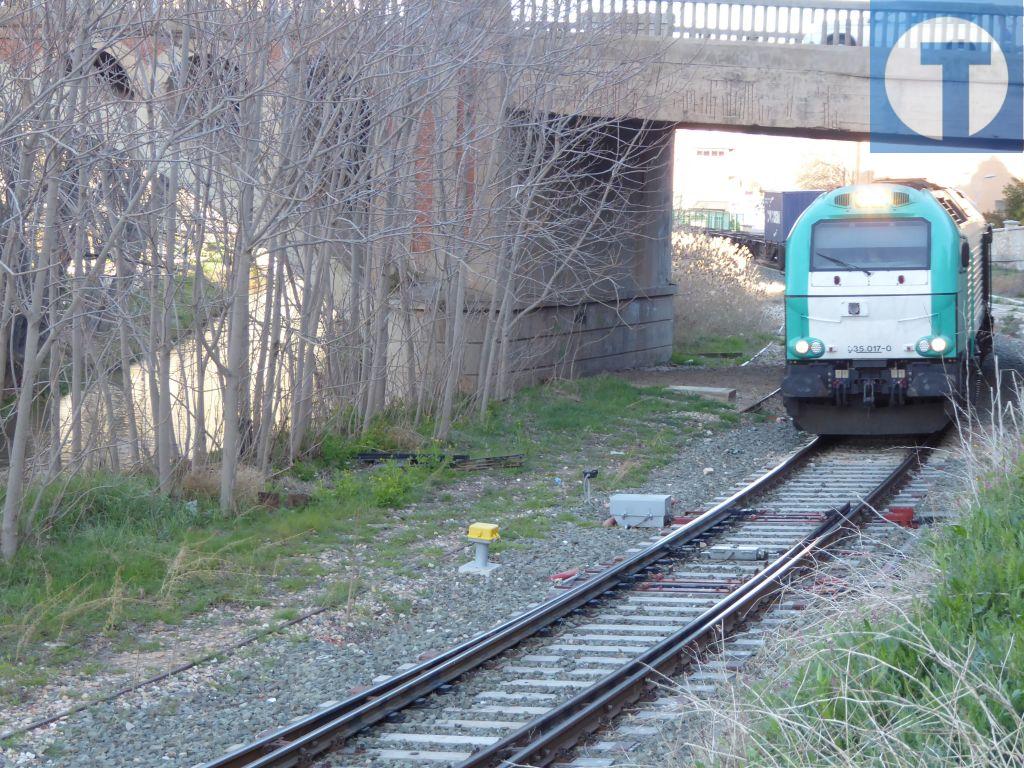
786,22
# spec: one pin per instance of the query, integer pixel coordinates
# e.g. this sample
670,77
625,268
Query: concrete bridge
793,67
784,67
789,67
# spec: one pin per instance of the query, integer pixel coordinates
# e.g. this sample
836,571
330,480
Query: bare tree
227,229
825,175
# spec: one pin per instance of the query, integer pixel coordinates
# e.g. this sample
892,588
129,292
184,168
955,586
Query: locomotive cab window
872,244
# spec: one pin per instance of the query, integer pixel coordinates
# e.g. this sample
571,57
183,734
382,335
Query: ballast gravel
197,715
882,556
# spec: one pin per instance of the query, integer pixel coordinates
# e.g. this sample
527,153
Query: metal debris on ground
902,515
757,404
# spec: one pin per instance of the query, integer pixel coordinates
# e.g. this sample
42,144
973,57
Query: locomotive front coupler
839,391
868,391
873,382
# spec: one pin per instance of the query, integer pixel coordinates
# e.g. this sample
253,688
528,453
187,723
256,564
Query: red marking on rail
565,575
901,515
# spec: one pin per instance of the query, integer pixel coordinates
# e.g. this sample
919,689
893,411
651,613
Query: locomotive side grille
842,200
900,198
952,208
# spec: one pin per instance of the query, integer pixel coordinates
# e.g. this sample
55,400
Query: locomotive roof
912,183
959,207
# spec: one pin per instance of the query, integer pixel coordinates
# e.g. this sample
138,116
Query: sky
775,162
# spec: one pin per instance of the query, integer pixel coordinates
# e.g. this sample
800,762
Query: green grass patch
945,681
102,552
286,614
518,532
720,351
118,552
341,593
563,418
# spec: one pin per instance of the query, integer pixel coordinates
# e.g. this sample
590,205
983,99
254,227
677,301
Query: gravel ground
668,740
197,714
677,722
751,383
508,674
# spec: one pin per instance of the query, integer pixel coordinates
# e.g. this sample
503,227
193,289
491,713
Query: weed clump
720,290
111,550
205,484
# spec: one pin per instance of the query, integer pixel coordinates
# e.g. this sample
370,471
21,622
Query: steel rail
760,401
298,743
540,741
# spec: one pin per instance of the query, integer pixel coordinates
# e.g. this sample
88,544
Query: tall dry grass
721,292
841,694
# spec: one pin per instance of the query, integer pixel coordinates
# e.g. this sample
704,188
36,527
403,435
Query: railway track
527,690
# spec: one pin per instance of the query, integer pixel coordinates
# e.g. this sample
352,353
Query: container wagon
781,210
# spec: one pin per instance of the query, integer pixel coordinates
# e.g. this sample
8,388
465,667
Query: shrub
94,499
205,484
392,485
721,292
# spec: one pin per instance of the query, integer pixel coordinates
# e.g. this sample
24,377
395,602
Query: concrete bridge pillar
593,287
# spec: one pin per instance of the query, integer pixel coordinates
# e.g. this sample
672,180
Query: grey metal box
641,510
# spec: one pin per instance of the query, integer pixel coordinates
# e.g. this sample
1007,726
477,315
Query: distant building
986,186
713,178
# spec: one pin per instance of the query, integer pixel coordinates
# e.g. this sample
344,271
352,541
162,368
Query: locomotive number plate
872,349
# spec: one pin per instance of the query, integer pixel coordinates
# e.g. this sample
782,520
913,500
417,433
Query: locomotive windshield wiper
842,263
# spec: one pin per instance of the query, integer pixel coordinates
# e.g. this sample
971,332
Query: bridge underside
810,91
593,280
786,90
614,309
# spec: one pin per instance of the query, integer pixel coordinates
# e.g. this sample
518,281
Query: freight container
781,210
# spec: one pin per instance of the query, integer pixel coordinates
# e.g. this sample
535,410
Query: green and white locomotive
888,309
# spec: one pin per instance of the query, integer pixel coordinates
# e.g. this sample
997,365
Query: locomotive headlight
808,348
867,198
931,346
